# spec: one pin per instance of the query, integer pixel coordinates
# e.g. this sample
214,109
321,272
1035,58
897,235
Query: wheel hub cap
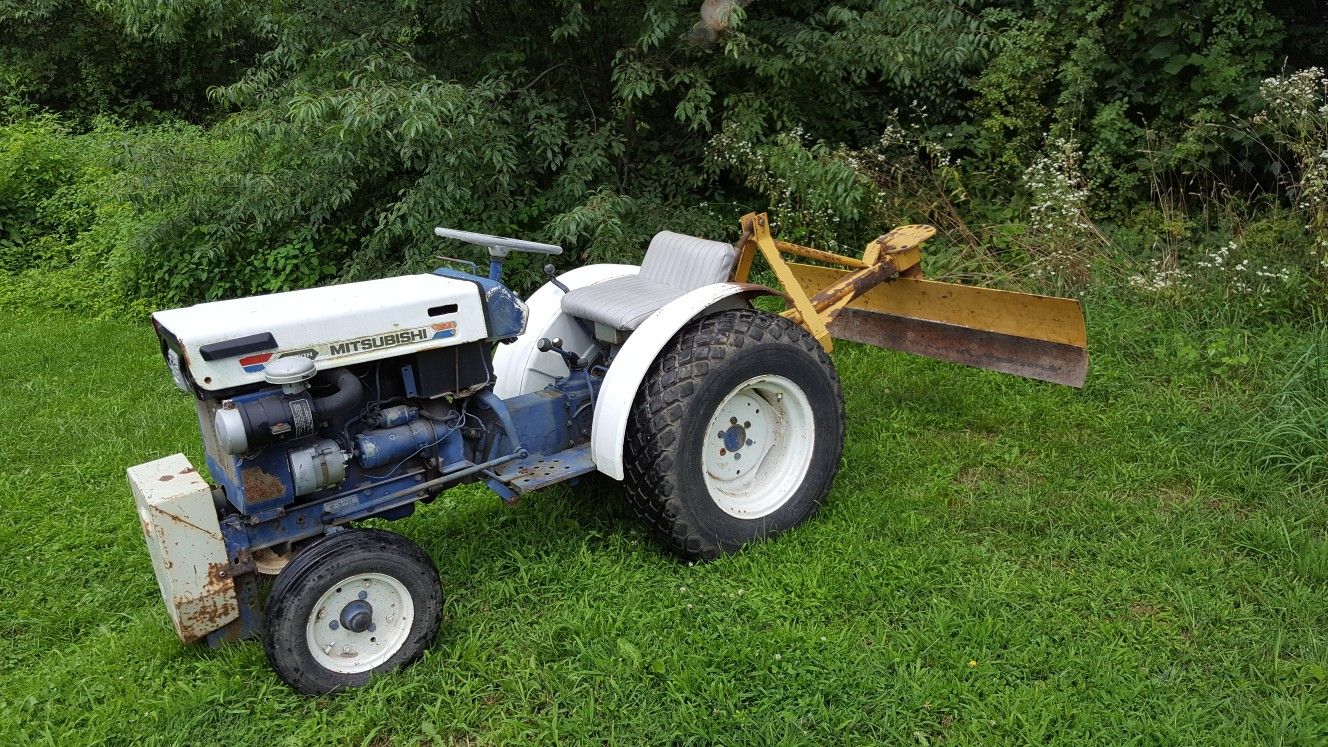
356,616
734,438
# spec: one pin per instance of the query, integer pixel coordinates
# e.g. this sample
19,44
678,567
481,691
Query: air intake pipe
347,397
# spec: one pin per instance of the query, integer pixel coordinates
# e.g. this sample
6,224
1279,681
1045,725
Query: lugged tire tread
657,414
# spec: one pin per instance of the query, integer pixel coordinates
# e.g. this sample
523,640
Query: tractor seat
674,265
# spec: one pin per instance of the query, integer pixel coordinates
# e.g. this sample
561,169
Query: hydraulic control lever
551,273
545,345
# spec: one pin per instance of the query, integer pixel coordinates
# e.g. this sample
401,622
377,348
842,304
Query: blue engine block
413,456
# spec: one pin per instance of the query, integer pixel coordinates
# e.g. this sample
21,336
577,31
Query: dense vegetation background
158,152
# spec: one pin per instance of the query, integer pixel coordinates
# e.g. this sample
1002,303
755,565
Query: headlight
177,373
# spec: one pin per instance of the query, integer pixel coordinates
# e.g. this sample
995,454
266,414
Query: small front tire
357,603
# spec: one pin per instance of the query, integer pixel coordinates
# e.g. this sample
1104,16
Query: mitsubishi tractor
724,422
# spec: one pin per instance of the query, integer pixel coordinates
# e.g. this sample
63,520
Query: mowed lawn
1000,562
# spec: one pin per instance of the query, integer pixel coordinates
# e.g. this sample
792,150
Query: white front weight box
184,538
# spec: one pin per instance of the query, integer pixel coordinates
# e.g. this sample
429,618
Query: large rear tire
735,435
357,603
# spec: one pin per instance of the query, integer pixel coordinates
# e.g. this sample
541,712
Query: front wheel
356,603
735,435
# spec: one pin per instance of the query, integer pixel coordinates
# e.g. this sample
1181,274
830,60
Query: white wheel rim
330,633
758,447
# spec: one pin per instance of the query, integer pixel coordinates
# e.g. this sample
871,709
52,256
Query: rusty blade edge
1030,358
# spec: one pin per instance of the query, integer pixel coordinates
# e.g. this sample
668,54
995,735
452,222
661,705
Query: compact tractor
321,408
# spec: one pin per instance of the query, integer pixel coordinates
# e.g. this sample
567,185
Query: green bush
77,233
139,60
36,159
1050,141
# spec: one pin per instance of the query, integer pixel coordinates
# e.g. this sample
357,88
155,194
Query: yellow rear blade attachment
1037,337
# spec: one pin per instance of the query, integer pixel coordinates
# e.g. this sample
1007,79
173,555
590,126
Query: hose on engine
349,394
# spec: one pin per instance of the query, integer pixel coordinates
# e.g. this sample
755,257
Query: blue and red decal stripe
255,363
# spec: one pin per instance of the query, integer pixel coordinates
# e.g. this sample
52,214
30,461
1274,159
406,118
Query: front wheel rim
360,623
757,447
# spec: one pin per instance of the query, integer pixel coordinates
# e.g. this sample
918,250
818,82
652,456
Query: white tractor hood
224,344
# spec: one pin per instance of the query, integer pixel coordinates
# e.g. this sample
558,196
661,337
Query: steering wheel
497,245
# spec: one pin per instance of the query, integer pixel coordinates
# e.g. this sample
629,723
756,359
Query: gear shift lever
545,345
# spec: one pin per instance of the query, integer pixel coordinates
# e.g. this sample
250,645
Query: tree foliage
129,58
339,133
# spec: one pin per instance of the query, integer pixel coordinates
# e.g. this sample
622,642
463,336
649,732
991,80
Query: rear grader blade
882,300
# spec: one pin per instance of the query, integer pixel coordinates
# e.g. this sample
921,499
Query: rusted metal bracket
244,565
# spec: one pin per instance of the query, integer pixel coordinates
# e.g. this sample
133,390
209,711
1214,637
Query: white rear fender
519,367
613,406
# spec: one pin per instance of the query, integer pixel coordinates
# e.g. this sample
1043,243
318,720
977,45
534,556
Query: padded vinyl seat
674,265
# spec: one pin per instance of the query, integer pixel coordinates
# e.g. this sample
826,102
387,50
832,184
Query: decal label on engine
309,353
302,412
439,331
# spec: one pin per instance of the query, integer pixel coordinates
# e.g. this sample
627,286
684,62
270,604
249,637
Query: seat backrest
687,262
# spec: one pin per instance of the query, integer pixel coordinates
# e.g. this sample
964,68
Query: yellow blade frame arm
883,259
882,300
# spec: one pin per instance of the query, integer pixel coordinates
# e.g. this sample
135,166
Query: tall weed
1295,433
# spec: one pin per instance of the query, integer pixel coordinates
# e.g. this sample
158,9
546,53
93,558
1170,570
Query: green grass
1001,561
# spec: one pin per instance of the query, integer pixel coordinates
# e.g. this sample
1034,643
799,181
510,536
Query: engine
354,395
